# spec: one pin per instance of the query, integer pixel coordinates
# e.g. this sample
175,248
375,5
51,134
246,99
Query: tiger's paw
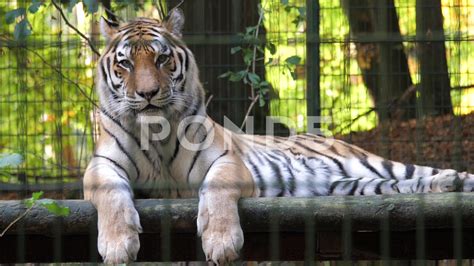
118,240
222,243
222,237
447,181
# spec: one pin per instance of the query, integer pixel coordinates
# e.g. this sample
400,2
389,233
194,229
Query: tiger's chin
150,109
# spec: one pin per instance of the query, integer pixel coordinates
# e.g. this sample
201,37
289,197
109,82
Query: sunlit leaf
34,198
53,207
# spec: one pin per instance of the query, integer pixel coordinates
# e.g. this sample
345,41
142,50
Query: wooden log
333,227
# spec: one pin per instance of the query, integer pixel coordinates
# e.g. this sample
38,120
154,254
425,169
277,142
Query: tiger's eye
162,59
126,64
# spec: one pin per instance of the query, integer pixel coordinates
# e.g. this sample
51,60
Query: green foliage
23,26
35,5
10,16
22,30
92,6
29,203
71,5
253,50
51,205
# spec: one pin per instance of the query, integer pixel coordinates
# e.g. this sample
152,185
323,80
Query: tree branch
63,76
254,101
91,45
254,97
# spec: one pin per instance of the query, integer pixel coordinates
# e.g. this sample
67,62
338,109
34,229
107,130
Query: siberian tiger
146,72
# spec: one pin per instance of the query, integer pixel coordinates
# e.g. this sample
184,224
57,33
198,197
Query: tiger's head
147,69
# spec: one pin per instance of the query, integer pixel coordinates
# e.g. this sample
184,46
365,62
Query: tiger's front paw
222,242
118,240
222,236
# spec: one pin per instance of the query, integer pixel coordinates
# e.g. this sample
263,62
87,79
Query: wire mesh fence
393,76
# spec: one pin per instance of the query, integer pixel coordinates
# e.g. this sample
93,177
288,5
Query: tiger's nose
148,95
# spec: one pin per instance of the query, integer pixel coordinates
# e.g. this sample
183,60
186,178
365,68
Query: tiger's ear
108,28
174,22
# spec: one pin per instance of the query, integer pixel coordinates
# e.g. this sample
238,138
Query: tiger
147,75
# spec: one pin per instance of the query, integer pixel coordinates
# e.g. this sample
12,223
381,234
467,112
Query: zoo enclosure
365,64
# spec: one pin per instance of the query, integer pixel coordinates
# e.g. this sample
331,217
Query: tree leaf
254,78
248,56
11,15
22,30
250,30
71,5
37,195
271,47
293,60
235,77
92,6
13,159
270,60
225,75
35,5
302,11
235,49
34,198
264,84
53,207
293,75
261,101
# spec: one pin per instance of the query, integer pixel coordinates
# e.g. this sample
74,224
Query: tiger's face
146,67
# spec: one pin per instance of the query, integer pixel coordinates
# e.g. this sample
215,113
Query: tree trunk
380,56
211,31
275,228
435,97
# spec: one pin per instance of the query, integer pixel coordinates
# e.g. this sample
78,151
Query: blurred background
392,76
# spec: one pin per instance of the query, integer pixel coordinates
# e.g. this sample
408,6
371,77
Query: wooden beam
275,228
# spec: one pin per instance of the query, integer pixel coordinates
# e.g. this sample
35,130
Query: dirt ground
444,141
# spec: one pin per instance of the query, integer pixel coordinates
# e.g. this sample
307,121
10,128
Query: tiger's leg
118,222
444,181
218,219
